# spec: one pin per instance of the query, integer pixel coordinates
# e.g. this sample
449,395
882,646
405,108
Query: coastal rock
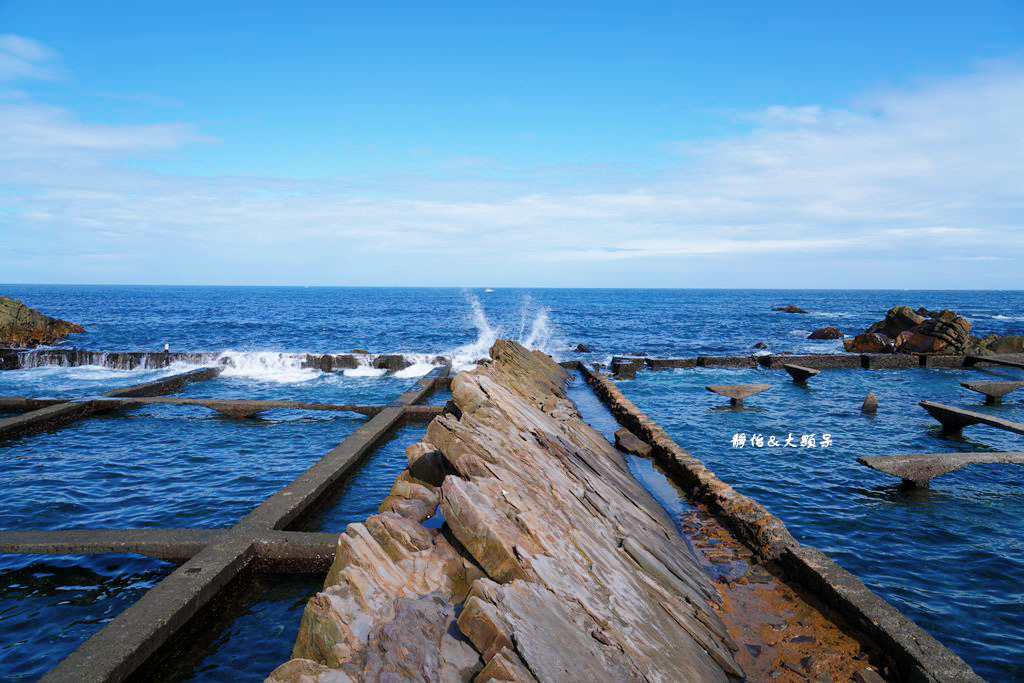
329,363
631,443
871,342
558,562
582,348
897,320
381,572
760,345
870,405
907,331
789,309
826,333
23,327
1007,344
391,363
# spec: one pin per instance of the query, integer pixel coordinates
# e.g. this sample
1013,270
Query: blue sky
785,144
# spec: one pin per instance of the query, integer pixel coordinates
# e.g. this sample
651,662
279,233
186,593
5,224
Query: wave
269,366
531,326
533,330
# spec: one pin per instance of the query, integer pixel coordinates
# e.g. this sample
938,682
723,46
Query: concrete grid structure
210,558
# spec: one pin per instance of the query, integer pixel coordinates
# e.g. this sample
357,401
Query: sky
858,145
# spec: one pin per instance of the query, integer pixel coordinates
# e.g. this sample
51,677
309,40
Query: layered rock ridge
552,562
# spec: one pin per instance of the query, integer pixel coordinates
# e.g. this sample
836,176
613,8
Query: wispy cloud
23,58
902,176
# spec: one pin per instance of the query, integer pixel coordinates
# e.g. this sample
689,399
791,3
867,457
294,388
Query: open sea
950,557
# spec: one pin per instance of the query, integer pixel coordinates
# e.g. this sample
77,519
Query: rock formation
907,331
789,309
826,333
22,327
552,563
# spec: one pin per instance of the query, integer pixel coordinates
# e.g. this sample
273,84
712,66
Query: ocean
950,557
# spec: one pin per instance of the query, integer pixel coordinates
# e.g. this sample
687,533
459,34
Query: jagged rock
426,463
898,319
329,363
564,566
870,405
631,443
307,671
868,676
23,327
946,332
871,342
582,348
789,309
826,333
377,564
760,345
391,363
411,498
1007,344
907,331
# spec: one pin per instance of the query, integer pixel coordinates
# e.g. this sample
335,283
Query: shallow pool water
169,466
310,386
365,487
49,605
159,466
950,557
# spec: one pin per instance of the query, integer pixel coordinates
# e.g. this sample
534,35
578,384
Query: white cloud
24,58
899,176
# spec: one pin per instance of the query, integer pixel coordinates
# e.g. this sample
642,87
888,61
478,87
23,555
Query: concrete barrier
918,656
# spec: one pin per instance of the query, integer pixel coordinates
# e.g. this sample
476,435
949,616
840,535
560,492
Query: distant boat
488,290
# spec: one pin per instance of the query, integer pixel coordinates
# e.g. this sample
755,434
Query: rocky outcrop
330,363
905,330
557,563
997,344
826,333
789,309
391,362
22,327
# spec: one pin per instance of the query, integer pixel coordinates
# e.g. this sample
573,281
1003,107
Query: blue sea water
950,558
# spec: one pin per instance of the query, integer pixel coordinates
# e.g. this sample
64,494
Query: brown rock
868,676
487,533
760,345
507,667
897,320
586,576
391,363
22,327
426,463
870,405
631,443
911,332
789,309
407,647
871,342
1007,344
826,333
